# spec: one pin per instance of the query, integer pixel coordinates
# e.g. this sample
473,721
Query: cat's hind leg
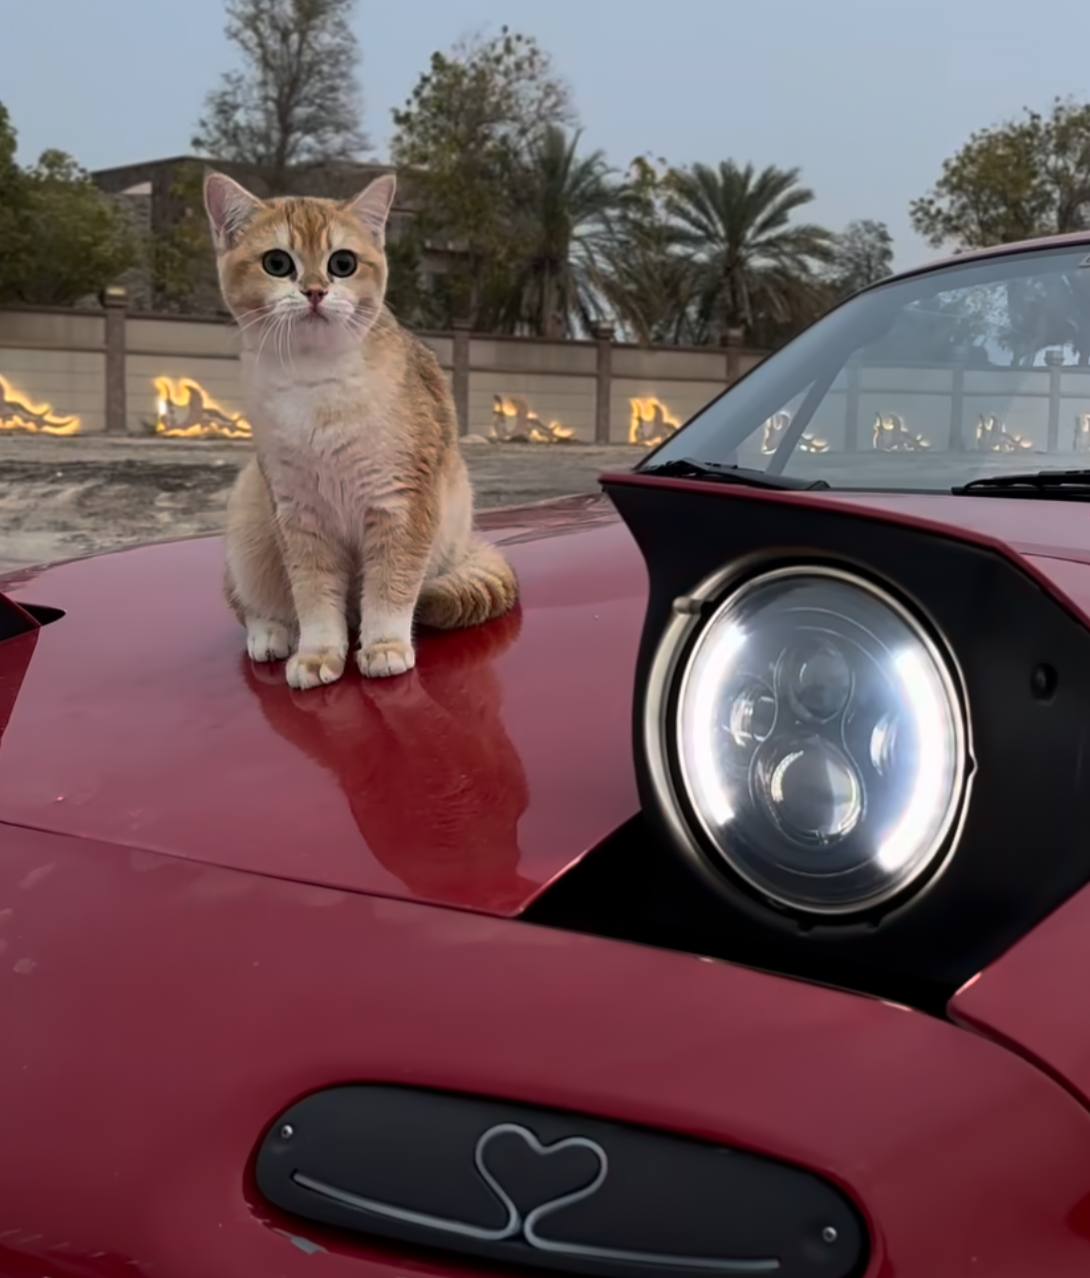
256,581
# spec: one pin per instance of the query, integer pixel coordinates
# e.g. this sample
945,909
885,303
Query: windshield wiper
1055,485
686,468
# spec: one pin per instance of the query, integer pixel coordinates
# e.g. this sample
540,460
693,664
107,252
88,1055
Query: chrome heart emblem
515,1224
528,1225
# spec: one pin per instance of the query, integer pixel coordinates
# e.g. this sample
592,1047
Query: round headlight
817,738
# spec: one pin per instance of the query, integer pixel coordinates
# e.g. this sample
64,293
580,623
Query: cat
357,506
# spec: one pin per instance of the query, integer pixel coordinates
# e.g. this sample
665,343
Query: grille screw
1043,681
287,1132
829,1234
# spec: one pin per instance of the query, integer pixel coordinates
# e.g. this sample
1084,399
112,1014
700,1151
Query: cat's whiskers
263,309
284,343
353,323
254,316
281,322
362,319
289,343
253,323
270,325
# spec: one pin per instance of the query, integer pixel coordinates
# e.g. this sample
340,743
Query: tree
14,221
648,284
181,254
563,205
1018,180
81,241
63,239
418,300
756,271
862,254
296,103
465,130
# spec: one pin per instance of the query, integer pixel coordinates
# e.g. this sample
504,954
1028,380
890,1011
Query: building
157,195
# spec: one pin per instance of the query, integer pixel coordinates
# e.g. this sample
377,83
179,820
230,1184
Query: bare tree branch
297,102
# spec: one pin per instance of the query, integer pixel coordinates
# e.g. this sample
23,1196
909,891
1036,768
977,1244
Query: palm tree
563,207
651,288
757,272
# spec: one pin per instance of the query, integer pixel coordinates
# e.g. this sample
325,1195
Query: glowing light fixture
774,430
709,786
811,735
18,412
651,422
185,410
514,421
891,435
992,436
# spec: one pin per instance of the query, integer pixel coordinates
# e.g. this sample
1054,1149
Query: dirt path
65,497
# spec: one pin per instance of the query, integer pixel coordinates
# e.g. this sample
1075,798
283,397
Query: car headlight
814,732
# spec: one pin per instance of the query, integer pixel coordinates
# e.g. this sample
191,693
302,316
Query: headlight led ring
812,732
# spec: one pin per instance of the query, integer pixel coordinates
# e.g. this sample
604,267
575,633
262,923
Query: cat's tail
481,586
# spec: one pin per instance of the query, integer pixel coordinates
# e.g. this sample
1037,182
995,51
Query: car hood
473,782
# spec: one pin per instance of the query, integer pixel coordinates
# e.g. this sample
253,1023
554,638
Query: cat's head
311,270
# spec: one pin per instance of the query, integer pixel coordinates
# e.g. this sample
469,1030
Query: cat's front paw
267,640
385,658
313,668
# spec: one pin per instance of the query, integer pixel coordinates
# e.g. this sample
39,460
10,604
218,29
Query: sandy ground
66,497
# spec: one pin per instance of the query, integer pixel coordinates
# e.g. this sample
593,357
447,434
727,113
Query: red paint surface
1031,998
158,1014
1072,240
472,781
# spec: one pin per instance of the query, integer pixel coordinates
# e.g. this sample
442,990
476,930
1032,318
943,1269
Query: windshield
927,382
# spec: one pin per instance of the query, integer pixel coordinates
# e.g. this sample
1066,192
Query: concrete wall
585,388
55,358
71,383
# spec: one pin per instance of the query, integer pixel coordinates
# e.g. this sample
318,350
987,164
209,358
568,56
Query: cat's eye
343,263
279,264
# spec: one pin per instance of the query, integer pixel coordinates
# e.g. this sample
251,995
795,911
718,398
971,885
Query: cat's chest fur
328,440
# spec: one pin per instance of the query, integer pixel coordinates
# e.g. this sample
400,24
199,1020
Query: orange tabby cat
358,504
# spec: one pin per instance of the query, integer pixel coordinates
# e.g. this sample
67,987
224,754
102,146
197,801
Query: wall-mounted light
774,429
515,422
17,412
891,435
992,436
651,421
185,410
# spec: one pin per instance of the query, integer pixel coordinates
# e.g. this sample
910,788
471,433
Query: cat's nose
314,294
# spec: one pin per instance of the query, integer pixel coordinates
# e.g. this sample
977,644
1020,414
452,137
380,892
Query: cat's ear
229,207
372,205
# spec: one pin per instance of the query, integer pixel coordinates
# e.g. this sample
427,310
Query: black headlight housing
1019,669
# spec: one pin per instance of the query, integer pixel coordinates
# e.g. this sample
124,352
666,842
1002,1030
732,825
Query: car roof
1074,239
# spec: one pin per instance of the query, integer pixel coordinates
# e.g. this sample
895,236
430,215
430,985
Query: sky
866,97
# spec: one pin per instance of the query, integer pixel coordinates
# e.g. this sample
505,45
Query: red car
750,946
